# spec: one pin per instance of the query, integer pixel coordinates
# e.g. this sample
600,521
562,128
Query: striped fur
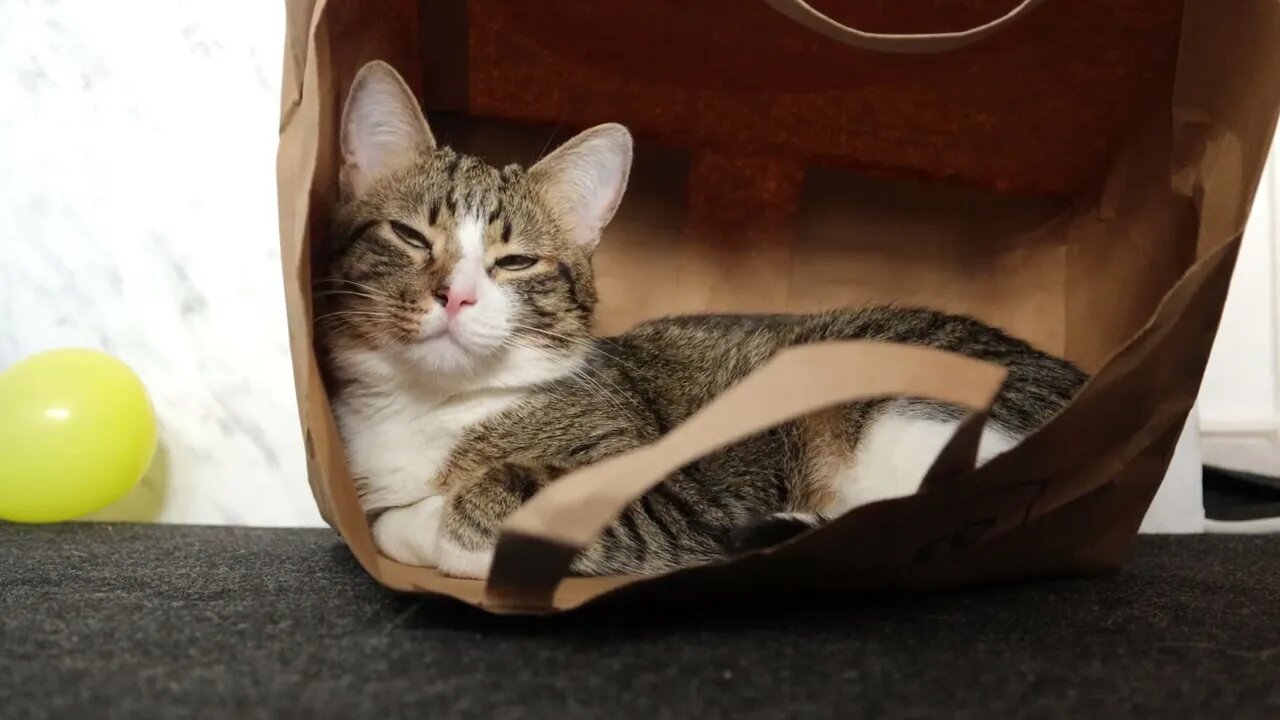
449,431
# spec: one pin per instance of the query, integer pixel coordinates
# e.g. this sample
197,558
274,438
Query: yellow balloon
77,431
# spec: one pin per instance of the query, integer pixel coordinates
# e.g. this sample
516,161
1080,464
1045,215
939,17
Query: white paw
411,534
463,563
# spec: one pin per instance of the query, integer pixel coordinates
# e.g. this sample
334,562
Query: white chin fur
442,355
401,423
468,343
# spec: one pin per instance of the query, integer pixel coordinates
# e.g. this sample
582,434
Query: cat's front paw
416,535
411,534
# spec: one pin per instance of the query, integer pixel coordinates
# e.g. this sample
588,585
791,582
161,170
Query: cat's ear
583,180
382,126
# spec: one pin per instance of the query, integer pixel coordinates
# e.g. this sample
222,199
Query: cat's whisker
345,313
593,347
547,144
571,340
580,373
598,379
604,392
328,293
360,285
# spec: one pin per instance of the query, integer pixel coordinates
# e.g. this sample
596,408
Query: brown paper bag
1124,270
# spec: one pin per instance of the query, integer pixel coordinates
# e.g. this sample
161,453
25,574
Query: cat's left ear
583,180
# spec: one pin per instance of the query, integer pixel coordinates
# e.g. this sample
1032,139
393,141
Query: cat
455,322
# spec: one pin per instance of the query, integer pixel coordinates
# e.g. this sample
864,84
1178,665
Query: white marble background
138,216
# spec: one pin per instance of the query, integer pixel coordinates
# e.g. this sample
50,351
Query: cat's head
445,265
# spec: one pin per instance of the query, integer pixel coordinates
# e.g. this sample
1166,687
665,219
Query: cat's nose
455,300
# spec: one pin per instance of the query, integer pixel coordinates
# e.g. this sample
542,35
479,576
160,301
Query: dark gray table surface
134,621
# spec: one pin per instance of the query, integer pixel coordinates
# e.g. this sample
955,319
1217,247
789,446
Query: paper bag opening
1119,259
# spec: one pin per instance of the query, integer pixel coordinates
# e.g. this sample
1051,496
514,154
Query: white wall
1240,397
1179,504
138,216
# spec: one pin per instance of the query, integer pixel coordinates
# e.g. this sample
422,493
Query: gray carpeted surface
139,622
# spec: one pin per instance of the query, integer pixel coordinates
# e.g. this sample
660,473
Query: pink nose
456,300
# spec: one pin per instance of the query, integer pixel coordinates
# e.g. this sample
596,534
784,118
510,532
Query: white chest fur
397,444
400,432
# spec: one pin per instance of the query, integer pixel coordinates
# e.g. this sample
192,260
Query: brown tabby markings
433,194
615,394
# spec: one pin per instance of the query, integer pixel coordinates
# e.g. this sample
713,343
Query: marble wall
137,216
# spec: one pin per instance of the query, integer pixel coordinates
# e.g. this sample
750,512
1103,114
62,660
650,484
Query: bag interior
926,180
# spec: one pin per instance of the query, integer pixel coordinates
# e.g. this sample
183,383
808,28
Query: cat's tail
772,530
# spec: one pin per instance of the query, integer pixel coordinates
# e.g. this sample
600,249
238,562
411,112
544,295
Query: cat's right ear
382,126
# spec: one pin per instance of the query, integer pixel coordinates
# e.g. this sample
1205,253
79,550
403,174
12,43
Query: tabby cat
455,317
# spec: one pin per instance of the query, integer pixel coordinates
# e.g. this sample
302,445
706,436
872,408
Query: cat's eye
516,262
409,235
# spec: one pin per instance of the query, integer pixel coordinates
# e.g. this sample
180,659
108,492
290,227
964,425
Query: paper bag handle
808,16
540,540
